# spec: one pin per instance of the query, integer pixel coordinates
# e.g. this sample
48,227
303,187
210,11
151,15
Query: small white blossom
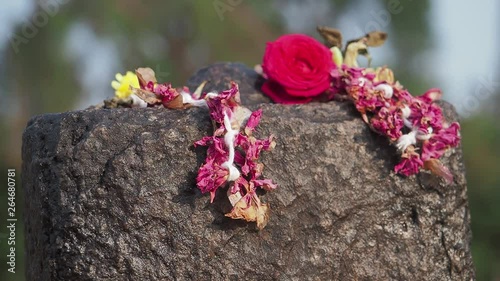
138,102
406,112
188,99
387,89
234,173
406,140
422,136
362,81
211,95
229,138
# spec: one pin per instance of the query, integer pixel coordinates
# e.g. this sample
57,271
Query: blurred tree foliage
186,35
481,136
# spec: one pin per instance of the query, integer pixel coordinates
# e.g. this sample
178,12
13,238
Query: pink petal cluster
243,152
416,125
163,91
154,94
224,103
211,175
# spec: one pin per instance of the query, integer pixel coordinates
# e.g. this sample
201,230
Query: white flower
406,112
406,140
422,136
188,99
387,89
138,102
211,95
229,138
362,81
234,173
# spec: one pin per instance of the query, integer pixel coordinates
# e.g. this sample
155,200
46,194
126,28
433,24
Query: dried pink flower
224,103
411,123
253,121
410,163
441,141
389,122
232,156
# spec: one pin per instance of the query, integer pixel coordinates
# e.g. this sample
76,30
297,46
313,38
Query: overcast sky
467,38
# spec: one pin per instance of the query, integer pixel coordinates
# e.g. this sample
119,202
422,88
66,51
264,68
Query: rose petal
278,94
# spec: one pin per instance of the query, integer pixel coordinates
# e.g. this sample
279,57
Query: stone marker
111,195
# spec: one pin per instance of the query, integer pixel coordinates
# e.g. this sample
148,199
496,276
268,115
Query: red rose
297,68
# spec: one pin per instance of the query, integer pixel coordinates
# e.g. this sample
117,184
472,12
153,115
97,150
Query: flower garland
415,125
298,69
233,152
226,163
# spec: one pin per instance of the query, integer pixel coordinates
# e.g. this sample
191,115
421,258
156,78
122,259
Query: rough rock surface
111,195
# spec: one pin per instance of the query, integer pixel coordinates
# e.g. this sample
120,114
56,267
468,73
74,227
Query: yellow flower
123,83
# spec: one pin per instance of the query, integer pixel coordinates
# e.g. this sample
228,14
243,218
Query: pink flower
239,186
224,103
410,163
411,123
216,147
253,121
251,148
297,67
368,102
279,95
388,122
210,177
441,141
337,84
266,184
402,95
232,156
431,95
450,135
353,72
424,114
164,91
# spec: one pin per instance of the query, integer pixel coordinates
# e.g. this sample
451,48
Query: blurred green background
60,55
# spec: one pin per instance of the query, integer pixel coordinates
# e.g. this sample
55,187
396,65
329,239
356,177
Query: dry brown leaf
145,75
146,96
372,39
360,46
176,103
197,93
263,216
352,52
332,36
241,210
437,168
375,38
384,74
255,211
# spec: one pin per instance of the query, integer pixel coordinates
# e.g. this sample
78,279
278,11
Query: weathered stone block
111,195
